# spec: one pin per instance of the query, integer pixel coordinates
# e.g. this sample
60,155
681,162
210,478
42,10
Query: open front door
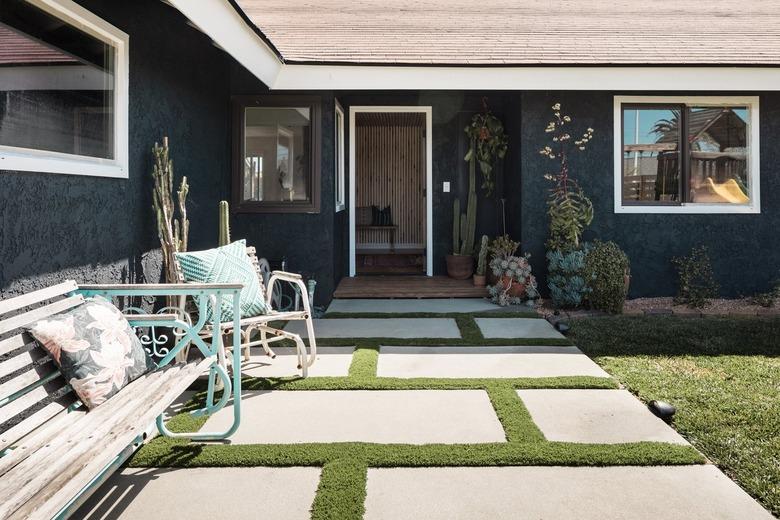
390,178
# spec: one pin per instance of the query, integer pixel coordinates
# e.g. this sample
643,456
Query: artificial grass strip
382,315
468,341
341,493
469,330
167,454
364,362
394,383
512,413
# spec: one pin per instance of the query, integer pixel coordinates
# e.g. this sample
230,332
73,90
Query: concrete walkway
406,328
556,493
517,328
204,493
485,362
331,362
385,416
595,416
433,416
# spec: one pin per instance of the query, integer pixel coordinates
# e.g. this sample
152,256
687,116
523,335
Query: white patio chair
260,325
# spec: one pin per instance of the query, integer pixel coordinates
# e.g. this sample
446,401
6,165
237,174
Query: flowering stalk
569,209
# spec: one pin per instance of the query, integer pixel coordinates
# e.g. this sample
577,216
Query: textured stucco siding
743,248
54,227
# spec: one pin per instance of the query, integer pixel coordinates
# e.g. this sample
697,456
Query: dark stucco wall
54,227
306,240
743,248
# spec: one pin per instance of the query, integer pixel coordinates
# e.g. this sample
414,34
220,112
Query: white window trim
31,160
751,102
339,166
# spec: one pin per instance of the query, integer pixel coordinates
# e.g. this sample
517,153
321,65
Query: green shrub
605,268
767,299
695,282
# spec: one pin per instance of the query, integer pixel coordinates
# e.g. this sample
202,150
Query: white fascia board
622,78
220,21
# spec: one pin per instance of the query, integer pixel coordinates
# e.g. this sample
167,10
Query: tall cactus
224,223
172,231
456,226
482,258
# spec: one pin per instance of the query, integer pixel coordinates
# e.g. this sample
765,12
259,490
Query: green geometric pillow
226,264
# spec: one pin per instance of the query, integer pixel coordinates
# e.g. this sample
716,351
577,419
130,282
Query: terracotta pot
460,267
480,280
516,289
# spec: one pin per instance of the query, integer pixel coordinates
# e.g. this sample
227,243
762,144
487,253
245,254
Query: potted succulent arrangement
480,278
514,282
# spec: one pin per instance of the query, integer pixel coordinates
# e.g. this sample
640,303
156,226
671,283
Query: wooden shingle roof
521,32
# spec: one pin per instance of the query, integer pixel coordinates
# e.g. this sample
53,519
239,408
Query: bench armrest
158,289
284,275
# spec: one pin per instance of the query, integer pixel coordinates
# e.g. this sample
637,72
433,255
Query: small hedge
605,268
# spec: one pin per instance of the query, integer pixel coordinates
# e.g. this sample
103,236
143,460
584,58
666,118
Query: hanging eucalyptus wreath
487,142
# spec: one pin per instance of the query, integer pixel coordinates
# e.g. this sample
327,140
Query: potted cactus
480,277
460,264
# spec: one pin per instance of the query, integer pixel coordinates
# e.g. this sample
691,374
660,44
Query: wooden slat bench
53,452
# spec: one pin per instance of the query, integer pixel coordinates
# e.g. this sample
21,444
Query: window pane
276,154
651,155
56,84
718,140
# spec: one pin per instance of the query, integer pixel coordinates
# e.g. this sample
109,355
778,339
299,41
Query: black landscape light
662,409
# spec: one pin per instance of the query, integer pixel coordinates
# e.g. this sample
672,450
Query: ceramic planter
516,289
460,267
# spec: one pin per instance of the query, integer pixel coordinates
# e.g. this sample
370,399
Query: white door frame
428,111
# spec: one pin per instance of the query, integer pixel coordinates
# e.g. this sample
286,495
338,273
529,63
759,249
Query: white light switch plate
446,187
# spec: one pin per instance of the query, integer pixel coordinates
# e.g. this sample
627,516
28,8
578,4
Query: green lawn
722,374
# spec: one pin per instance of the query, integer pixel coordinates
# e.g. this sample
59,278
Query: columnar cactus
456,226
224,223
482,259
464,225
172,231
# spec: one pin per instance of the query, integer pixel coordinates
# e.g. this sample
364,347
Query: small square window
277,154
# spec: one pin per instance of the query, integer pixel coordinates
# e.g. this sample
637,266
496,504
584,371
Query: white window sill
691,209
52,162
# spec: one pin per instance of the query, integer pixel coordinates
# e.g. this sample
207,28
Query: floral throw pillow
96,349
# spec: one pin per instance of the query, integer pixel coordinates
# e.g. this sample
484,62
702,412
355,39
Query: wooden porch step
407,286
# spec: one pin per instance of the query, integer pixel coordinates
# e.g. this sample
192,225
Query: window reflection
56,85
718,154
276,160
651,154
714,169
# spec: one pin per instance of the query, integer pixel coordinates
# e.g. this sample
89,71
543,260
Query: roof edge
228,27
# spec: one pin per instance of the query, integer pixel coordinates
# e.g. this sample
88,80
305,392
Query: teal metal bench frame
203,295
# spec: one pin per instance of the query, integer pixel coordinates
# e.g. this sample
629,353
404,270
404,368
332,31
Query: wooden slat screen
390,170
